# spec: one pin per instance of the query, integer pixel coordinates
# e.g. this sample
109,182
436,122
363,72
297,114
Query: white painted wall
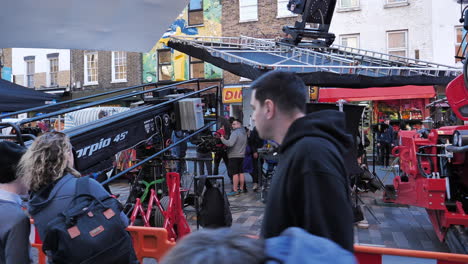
445,16
41,61
430,24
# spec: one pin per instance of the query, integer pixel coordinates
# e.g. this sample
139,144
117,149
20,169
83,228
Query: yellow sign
232,95
313,92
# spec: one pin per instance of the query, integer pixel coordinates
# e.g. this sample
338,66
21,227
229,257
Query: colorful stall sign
313,93
232,95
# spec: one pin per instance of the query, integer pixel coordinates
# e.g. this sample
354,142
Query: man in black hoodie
310,187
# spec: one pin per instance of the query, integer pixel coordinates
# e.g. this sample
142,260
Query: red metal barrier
373,255
150,242
37,244
174,218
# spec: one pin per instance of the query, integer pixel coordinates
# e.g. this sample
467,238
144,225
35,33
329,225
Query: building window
164,65
351,41
91,68
349,3
248,10
458,43
195,13
396,1
397,43
53,71
283,10
30,68
197,68
119,66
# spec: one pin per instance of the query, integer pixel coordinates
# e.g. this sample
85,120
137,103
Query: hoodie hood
327,124
40,199
295,245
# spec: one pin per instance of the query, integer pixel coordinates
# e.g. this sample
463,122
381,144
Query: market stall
403,105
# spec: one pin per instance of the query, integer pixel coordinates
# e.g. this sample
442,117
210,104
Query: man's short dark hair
237,120
212,246
285,89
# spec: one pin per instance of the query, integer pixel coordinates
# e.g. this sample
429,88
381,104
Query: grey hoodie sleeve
232,139
17,245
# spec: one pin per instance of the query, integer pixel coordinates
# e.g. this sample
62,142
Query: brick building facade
271,17
5,64
96,71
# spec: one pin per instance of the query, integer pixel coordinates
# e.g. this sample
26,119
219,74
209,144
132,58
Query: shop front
232,102
404,105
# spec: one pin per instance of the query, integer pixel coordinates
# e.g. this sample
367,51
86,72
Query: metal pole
373,140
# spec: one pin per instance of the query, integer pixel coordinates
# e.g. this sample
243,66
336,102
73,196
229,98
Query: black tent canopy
14,97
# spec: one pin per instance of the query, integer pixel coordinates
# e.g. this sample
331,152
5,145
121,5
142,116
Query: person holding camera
221,149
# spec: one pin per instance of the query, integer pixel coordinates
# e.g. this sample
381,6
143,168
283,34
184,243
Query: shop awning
375,94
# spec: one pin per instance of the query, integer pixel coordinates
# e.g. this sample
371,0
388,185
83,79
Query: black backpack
90,230
215,210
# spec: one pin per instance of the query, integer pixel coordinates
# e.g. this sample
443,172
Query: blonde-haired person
47,169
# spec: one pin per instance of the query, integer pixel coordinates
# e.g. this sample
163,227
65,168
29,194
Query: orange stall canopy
332,95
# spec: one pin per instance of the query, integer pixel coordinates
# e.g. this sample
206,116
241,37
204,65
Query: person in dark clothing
310,188
385,142
254,142
15,227
221,149
204,154
180,150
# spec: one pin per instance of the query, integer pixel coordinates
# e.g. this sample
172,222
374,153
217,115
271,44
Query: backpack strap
82,186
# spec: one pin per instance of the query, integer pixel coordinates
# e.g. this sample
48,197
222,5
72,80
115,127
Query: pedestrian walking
310,188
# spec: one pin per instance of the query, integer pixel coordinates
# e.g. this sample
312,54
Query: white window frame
460,44
190,10
282,10
394,2
50,77
86,82
340,5
124,64
405,49
27,73
162,64
247,4
345,36
191,63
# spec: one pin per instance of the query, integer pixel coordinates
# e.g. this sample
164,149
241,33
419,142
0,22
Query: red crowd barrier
153,242
373,255
150,242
